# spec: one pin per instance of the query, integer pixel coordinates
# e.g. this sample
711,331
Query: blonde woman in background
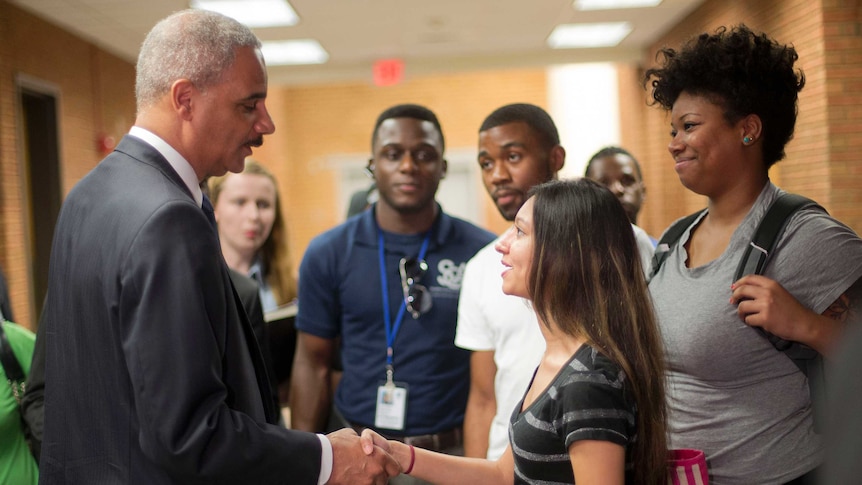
253,236
253,233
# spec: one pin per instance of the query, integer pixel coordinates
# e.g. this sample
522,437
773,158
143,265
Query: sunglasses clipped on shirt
416,297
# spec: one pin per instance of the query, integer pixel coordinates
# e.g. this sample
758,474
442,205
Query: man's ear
182,96
445,169
557,158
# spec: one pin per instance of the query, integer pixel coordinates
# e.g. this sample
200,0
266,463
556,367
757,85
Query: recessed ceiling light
608,34
300,51
253,13
613,4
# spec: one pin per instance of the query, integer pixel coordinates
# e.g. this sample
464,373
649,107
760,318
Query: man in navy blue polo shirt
387,283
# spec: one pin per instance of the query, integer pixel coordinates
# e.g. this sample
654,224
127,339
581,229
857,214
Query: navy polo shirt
340,294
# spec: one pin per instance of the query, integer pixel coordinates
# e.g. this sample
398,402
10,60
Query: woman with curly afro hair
732,98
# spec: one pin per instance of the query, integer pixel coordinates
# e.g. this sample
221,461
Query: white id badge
391,406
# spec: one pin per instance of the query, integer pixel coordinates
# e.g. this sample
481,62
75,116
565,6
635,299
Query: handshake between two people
374,461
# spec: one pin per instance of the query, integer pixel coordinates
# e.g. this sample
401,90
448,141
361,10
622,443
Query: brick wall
823,158
842,38
96,95
12,258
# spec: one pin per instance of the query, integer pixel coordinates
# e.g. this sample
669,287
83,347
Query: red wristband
412,460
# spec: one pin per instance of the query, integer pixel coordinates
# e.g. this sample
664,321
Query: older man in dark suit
153,375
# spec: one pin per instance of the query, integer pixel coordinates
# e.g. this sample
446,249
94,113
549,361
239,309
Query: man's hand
355,463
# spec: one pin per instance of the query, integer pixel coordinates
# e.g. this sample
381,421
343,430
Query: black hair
742,71
610,151
535,117
414,111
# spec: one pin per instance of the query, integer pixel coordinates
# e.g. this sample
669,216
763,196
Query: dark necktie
208,211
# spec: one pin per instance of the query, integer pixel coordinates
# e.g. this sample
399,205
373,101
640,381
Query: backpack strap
669,239
757,255
754,261
767,232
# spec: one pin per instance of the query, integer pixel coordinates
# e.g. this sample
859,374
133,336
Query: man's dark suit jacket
32,404
153,375
249,295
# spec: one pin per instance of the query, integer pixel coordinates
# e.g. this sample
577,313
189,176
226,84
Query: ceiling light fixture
253,13
293,52
613,4
568,36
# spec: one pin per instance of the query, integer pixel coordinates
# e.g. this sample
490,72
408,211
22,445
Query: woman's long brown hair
586,278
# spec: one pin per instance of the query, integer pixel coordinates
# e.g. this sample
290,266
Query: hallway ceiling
432,36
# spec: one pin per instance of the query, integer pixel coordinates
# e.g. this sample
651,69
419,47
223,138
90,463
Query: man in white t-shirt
519,147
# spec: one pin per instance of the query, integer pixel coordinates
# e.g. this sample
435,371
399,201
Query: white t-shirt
645,248
488,319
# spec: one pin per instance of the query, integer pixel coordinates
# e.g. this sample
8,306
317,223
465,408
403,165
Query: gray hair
197,45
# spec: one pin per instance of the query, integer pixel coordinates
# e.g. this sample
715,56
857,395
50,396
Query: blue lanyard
392,330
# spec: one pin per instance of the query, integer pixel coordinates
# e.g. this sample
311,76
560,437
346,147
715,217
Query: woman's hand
763,302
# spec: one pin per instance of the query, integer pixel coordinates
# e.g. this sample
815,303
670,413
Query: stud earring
747,140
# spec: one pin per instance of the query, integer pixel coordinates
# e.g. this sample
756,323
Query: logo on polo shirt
451,274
